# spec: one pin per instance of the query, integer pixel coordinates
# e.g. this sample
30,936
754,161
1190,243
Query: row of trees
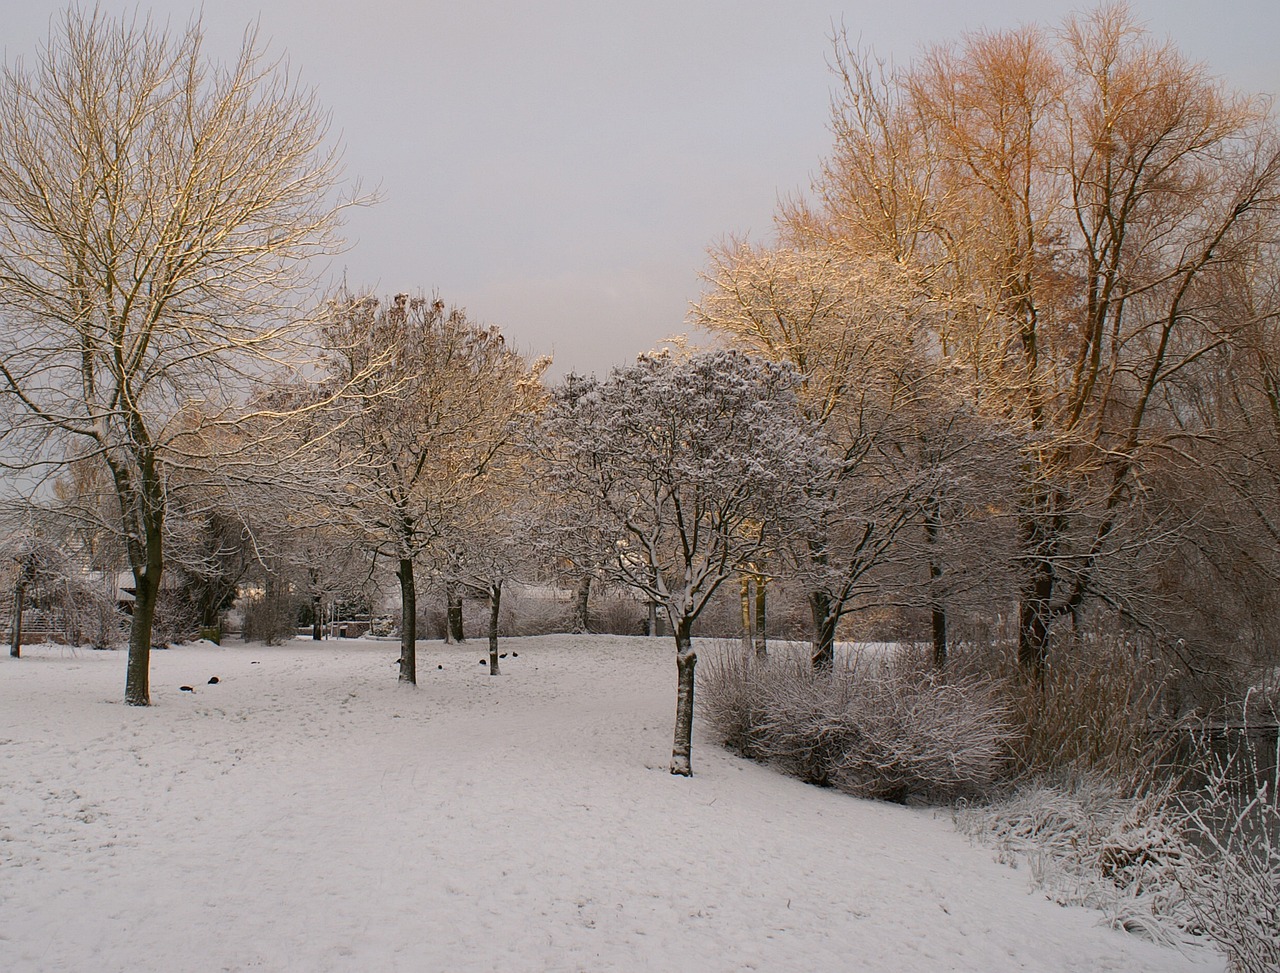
1014,353
1043,265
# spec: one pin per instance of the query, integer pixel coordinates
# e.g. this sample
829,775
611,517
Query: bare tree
683,469
848,327
1072,206
428,430
157,212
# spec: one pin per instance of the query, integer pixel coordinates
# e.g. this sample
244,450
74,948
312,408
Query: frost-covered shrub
269,618
1089,841
873,727
1235,818
1197,857
615,613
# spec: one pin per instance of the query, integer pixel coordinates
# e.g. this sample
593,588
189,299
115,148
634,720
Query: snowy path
308,814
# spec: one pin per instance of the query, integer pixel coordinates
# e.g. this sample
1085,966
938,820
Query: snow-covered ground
308,813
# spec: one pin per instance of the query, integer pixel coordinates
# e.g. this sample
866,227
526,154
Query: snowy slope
307,813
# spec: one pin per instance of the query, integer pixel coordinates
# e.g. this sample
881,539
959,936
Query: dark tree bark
137,683
686,660
823,655
581,622
939,618
1035,606
453,613
938,610
146,557
317,622
408,623
19,599
495,603
745,595
761,637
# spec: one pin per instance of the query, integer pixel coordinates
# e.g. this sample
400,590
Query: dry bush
1197,855
872,727
270,619
615,612
529,615
1234,817
1100,709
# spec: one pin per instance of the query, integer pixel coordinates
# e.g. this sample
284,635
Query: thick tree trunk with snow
1035,604
495,603
580,624
745,595
408,623
317,621
147,561
686,660
1033,623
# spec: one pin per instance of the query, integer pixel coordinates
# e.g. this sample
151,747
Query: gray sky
559,168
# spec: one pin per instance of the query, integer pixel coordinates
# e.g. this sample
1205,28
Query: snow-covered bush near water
1089,843
1178,864
1235,818
874,726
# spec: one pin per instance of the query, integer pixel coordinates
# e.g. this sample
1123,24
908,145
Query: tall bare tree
1072,204
157,214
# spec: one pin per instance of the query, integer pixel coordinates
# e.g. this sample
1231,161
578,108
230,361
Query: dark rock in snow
186,689
439,667
484,662
502,655
213,680
515,655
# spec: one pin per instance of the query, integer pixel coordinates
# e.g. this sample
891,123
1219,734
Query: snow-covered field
308,813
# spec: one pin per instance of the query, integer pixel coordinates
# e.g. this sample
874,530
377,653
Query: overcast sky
559,168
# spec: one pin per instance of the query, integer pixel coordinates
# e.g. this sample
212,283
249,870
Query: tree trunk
653,619
453,613
823,655
1033,633
761,637
19,597
408,623
939,636
581,623
317,621
137,682
938,610
1035,612
745,594
495,602
686,660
